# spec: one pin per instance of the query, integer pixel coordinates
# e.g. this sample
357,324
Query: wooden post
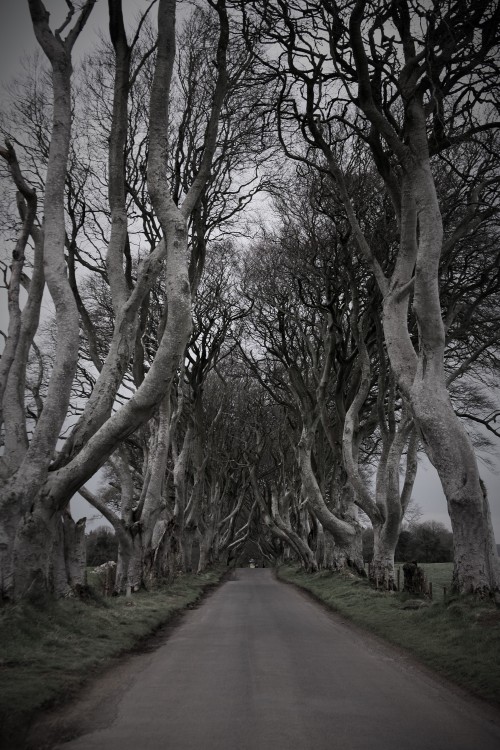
444,593
399,579
430,590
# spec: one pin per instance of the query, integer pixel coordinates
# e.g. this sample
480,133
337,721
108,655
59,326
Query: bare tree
35,489
396,77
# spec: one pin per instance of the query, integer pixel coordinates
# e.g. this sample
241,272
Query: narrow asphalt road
259,666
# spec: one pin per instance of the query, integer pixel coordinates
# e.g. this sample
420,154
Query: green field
459,638
440,574
48,651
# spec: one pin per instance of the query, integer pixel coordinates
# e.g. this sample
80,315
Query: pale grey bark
385,507
206,543
35,465
126,303
477,568
342,531
35,534
345,531
210,543
401,113
445,440
420,375
227,537
58,570
125,533
156,468
75,556
97,435
27,205
173,220
392,499
180,486
116,166
33,546
272,519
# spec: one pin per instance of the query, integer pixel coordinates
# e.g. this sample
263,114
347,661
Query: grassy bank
48,651
460,639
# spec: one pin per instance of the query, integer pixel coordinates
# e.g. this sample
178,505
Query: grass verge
47,652
459,639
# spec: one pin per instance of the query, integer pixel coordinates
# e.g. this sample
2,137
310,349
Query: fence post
399,578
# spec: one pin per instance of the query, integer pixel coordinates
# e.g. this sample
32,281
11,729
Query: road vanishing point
260,666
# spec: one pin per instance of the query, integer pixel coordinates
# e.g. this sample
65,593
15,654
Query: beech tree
371,312
412,83
35,488
316,345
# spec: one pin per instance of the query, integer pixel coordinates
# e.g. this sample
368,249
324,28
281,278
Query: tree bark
476,564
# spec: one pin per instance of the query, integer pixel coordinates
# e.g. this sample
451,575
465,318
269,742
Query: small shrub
102,545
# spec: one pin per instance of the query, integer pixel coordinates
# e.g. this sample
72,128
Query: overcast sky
16,32
16,39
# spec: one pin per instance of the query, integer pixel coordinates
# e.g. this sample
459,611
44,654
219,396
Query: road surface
259,666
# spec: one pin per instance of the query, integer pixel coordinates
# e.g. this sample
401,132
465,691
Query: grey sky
17,39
